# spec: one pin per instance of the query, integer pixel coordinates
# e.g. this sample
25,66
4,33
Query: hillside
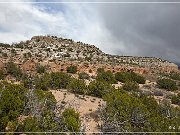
58,53
50,84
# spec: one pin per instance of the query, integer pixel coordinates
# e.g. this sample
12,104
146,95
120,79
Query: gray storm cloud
144,29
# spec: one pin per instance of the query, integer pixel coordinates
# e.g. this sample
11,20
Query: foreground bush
167,84
12,102
137,114
23,110
71,118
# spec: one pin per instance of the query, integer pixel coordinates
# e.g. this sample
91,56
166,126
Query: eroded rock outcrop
58,53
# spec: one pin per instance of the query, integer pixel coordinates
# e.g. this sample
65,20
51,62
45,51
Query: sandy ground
85,105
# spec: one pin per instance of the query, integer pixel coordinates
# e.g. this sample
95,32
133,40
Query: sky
137,29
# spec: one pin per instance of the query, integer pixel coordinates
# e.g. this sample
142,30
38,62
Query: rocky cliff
58,53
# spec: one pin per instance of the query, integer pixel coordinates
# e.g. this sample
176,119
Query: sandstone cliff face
58,53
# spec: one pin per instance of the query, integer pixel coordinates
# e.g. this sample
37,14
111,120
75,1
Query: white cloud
21,21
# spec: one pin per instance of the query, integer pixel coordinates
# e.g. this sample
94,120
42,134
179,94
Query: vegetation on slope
167,84
129,76
131,113
31,107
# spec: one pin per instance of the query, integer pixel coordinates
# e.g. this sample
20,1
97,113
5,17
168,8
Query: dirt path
87,106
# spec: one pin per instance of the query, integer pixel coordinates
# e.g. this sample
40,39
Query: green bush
174,76
55,80
77,86
167,84
13,70
12,102
2,75
30,124
50,99
83,75
176,99
42,82
41,69
99,88
130,86
100,70
106,76
129,76
59,80
71,119
72,69
137,114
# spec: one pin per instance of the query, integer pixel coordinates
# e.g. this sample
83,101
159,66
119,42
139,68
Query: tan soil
86,106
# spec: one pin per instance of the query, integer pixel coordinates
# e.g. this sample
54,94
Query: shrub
4,55
175,76
83,75
30,124
70,49
67,55
176,99
137,113
99,88
106,76
130,86
167,84
50,103
129,76
77,86
13,51
2,75
42,82
88,58
169,96
100,70
11,102
59,80
90,71
71,119
40,69
27,55
139,79
120,76
13,70
72,69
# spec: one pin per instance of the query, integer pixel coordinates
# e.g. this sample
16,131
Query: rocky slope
58,53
